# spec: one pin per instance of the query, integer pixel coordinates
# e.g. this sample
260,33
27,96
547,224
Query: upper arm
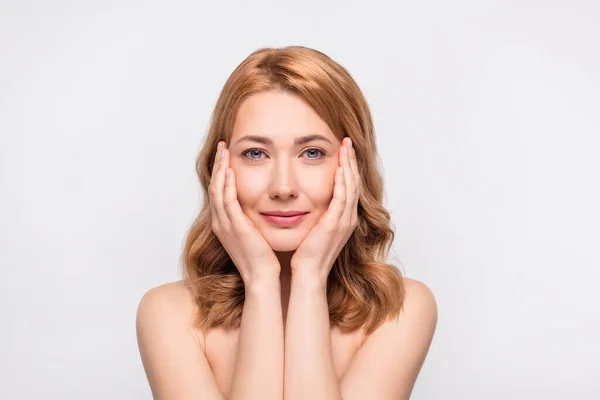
388,363
171,353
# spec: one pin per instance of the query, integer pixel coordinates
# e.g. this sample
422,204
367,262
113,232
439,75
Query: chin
283,244
283,239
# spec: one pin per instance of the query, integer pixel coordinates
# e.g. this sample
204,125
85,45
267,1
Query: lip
289,213
280,219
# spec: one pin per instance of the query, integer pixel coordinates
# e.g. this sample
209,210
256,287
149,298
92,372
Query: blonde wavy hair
362,289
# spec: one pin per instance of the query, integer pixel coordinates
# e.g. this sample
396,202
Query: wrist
263,285
309,279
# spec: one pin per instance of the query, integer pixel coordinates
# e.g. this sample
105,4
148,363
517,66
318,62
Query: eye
314,151
254,152
314,154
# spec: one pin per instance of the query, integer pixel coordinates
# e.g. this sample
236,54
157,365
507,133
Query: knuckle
229,204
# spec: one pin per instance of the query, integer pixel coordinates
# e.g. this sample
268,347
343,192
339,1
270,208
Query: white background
487,117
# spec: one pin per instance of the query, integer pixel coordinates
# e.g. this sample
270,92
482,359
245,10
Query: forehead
280,116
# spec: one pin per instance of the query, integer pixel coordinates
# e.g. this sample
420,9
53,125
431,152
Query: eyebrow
299,140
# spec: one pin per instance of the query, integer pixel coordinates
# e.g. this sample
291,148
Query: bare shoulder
419,299
389,361
418,317
170,302
419,310
171,350
177,291
172,292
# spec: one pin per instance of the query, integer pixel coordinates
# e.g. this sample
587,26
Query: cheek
319,187
249,186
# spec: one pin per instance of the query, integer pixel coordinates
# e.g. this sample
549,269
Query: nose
283,181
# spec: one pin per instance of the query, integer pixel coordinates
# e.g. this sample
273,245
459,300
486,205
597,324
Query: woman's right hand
248,249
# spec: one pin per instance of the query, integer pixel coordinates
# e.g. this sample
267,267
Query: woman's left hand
318,251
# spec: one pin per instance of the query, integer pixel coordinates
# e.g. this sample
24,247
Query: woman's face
276,170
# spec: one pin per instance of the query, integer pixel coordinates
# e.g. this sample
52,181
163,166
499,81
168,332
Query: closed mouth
285,213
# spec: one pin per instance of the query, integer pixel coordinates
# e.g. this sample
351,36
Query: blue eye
321,152
316,154
254,151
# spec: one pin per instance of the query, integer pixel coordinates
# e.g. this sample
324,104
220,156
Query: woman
286,292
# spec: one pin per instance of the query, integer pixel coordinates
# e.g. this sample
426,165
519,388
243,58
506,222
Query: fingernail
345,150
222,153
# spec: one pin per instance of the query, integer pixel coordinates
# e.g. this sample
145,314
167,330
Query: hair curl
362,289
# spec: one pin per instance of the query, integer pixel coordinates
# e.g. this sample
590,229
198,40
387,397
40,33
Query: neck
285,258
285,278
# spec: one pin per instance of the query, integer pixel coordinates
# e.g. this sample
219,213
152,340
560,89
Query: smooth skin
273,362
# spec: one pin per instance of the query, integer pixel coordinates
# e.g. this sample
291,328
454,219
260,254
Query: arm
385,367
258,371
309,368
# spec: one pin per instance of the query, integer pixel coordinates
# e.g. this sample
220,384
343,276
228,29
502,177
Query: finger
231,203
212,184
349,183
338,203
354,166
218,180
357,183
